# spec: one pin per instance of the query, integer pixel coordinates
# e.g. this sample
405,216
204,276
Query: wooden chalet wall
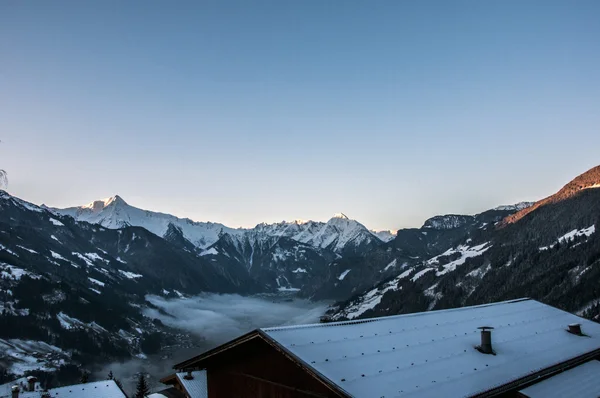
255,369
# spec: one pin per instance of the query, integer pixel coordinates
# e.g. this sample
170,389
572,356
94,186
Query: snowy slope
385,235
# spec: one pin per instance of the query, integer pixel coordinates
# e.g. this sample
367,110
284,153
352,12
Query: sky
248,111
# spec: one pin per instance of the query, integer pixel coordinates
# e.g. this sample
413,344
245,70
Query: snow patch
56,222
390,265
96,282
420,274
587,232
27,249
130,275
84,258
211,251
343,275
465,253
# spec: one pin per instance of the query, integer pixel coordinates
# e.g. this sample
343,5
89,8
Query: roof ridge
383,318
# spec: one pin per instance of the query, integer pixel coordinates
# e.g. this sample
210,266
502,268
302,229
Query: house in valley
509,349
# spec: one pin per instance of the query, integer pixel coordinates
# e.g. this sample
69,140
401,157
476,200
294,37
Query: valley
110,286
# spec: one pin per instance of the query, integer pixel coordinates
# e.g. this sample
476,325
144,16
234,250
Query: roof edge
223,347
382,318
544,374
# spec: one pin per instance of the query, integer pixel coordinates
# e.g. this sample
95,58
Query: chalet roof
196,387
98,389
419,355
581,382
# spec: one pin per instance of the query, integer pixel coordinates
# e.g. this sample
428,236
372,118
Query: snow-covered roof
97,389
419,355
581,382
196,387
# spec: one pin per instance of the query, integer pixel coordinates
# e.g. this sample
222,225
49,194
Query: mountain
339,234
588,180
73,292
385,235
73,282
548,250
115,213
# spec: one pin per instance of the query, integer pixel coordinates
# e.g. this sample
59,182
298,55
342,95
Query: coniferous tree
142,387
84,377
110,376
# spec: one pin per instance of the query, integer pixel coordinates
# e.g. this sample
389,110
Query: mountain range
73,281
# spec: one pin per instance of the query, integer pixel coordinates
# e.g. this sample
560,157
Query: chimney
15,391
189,376
486,340
575,328
31,383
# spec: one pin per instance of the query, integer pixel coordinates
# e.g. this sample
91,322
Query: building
503,349
97,389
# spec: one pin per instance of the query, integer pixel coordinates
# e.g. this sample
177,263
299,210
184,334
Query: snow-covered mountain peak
336,234
385,235
99,205
340,215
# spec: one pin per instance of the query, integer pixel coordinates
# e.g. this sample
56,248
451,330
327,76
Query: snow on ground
420,274
15,273
84,258
69,323
390,265
212,251
94,257
130,275
368,301
431,293
56,222
27,249
57,256
465,253
287,289
55,238
8,250
21,356
587,232
343,275
95,291
405,274
593,186
480,272
96,281
121,261
27,205
299,270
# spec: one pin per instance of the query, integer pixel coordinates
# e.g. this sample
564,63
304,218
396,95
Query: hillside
549,251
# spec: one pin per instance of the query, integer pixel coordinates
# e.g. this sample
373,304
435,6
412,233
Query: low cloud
214,319
218,318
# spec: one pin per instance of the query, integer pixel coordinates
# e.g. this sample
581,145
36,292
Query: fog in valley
212,319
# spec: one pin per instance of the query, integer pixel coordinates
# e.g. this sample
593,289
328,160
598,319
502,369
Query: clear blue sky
250,111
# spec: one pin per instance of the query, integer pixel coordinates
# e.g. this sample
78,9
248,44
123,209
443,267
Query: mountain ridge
114,212
586,180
